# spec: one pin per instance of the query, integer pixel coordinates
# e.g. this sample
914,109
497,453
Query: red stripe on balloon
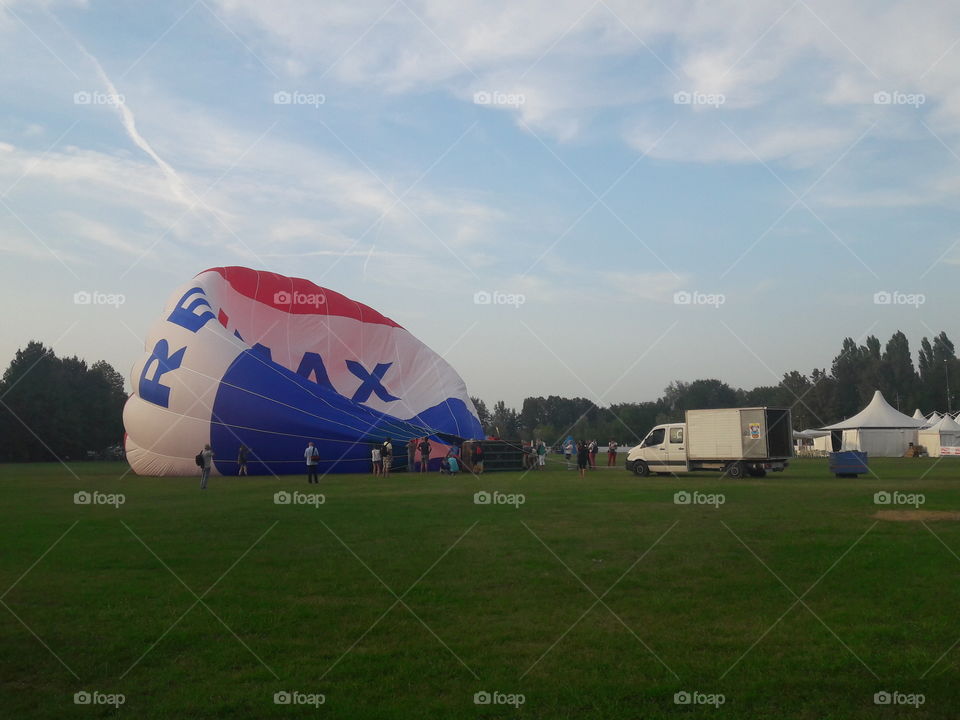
297,296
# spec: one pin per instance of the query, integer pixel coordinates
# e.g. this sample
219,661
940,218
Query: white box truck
735,441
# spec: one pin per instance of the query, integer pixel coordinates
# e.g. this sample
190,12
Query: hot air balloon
244,357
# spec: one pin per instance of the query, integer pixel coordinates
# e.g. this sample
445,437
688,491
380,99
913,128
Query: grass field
402,598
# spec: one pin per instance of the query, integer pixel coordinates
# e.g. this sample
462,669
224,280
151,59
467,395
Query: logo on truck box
754,430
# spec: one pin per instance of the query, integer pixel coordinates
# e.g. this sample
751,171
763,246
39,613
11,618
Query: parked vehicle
735,441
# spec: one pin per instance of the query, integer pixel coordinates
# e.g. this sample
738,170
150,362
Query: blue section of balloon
452,417
257,397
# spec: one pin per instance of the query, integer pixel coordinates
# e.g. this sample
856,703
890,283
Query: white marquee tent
917,415
879,429
818,440
946,432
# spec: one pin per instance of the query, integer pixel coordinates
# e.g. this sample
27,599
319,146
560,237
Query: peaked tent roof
810,434
935,417
947,425
877,414
917,415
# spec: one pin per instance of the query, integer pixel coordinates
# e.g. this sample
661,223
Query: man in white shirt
207,464
312,456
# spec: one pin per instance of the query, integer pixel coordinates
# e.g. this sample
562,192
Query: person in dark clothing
242,460
583,457
424,455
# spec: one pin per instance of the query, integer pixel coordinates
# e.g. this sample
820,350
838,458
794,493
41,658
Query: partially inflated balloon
242,357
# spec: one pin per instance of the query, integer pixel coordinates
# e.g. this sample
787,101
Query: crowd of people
469,456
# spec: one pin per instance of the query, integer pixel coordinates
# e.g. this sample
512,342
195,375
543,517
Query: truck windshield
654,438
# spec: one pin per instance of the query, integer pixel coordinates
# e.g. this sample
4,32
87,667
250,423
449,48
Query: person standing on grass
412,455
312,456
541,455
425,455
386,455
377,461
593,447
583,457
207,464
476,458
612,453
242,461
568,451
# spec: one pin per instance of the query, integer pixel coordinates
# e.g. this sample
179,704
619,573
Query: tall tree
58,407
505,421
943,368
481,407
711,393
847,370
898,377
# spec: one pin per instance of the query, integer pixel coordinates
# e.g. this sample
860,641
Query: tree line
54,407
819,398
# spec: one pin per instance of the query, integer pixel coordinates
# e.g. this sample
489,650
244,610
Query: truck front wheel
735,470
641,468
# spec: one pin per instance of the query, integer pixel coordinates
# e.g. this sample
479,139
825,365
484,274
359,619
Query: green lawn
493,597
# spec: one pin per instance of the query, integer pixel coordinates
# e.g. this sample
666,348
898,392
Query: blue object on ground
848,463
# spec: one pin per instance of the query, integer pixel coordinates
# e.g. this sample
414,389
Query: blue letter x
371,381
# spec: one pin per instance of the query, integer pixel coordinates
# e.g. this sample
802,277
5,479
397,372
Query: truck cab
663,450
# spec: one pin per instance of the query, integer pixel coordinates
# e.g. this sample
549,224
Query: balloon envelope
243,357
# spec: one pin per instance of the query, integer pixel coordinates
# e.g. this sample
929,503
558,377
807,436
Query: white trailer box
739,434
735,441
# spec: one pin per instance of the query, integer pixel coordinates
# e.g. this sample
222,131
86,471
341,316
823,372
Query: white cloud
87,230
811,56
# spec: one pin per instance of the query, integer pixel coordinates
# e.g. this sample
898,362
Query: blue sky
816,164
